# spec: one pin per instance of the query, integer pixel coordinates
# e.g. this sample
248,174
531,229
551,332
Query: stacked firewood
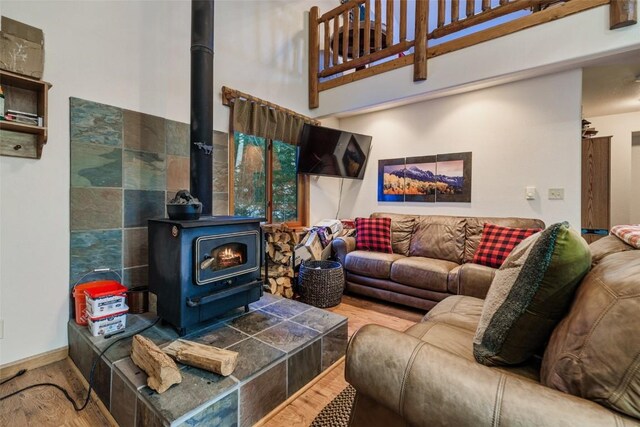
280,246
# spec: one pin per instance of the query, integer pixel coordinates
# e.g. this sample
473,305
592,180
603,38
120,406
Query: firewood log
288,293
202,356
162,371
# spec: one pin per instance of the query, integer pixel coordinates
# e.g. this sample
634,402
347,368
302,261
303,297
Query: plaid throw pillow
373,234
497,243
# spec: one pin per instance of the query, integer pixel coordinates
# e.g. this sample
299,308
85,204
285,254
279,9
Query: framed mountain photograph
391,180
420,179
453,177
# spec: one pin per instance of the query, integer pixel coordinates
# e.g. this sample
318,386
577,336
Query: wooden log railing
357,35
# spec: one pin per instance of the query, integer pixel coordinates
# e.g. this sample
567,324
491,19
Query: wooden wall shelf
31,96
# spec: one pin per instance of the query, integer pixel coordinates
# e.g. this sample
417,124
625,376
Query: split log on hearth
161,369
202,356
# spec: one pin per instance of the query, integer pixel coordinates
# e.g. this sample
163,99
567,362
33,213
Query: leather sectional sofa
589,374
432,259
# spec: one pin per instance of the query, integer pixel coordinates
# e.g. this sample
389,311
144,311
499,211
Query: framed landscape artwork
438,178
420,179
391,180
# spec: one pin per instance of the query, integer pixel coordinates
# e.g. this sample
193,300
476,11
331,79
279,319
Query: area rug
336,413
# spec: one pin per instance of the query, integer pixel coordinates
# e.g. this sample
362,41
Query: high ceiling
611,88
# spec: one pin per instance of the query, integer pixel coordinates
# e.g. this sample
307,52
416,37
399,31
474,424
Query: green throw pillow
530,294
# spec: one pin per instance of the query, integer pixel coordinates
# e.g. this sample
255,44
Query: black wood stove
204,268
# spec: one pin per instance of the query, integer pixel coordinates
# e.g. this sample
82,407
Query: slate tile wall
125,165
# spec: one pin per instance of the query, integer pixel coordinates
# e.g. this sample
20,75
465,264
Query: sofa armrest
426,385
472,280
342,246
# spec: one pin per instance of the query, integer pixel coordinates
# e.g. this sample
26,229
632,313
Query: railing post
314,61
420,48
622,13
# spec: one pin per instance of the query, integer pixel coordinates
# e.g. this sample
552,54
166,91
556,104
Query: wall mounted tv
332,152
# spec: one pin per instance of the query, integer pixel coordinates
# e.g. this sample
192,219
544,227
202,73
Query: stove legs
246,308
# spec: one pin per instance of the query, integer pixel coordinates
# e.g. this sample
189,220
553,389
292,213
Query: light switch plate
530,193
556,194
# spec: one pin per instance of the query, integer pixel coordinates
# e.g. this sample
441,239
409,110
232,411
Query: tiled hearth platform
282,345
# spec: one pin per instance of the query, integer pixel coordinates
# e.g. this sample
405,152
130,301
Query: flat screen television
332,152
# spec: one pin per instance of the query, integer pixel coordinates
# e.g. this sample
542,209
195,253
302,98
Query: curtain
252,118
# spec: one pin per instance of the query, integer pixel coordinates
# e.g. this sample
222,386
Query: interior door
596,179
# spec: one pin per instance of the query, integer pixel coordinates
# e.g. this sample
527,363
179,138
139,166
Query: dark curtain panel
251,118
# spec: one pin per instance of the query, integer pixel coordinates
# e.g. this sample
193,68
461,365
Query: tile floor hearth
282,345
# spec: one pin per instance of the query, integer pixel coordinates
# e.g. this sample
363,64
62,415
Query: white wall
134,55
520,134
620,127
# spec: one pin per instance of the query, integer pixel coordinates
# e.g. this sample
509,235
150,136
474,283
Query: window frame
303,185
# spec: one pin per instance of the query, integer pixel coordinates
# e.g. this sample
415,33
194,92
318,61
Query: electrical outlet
556,194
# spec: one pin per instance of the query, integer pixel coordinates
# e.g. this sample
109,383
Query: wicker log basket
321,283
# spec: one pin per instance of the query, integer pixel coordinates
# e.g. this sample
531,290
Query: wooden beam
345,35
622,13
486,5
420,50
367,59
471,7
334,13
488,15
441,10
529,21
336,39
455,10
367,28
389,22
355,47
314,60
403,20
367,72
327,46
378,25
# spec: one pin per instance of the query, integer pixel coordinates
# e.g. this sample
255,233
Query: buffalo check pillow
497,242
373,234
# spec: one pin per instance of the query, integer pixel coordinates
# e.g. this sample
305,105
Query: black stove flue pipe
202,102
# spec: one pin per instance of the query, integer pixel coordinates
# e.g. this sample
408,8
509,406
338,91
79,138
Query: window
265,182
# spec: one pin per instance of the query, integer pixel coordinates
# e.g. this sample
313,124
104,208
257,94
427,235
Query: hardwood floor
360,311
48,407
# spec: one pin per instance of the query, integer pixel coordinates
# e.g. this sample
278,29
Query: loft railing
357,40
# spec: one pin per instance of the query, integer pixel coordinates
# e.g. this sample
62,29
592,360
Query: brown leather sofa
427,375
431,260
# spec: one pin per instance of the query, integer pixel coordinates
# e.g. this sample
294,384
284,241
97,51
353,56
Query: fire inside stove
226,256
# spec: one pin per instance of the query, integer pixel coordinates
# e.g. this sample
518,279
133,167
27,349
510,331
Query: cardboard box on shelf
335,225
21,48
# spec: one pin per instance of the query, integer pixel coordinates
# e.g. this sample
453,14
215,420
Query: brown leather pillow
401,231
594,352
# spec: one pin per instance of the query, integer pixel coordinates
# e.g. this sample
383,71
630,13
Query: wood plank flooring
48,407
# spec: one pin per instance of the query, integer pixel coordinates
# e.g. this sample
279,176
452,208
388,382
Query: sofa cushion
401,231
594,352
475,225
373,234
529,295
497,242
439,237
470,279
372,264
423,273
606,246
456,310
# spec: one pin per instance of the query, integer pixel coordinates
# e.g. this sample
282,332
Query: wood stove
204,268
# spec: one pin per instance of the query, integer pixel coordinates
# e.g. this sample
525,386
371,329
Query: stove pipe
202,102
